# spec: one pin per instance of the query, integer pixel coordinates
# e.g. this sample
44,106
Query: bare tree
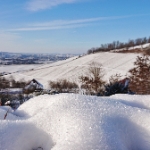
93,82
115,78
144,40
131,43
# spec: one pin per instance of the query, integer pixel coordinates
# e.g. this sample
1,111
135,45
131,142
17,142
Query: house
32,86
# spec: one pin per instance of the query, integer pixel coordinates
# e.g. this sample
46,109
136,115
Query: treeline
120,45
13,99
11,83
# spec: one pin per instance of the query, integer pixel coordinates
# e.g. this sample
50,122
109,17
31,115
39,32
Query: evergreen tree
140,75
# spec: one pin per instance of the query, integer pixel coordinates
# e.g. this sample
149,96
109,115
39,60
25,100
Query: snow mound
78,122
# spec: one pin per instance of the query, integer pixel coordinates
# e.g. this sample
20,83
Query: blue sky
70,26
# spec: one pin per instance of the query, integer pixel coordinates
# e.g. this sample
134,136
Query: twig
6,114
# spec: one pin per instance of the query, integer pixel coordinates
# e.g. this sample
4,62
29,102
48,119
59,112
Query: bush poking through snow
115,88
116,85
115,78
93,82
63,86
147,52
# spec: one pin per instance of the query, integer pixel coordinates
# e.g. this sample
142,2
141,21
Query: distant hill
74,67
138,45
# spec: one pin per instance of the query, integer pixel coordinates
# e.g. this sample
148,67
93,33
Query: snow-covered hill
74,67
140,47
16,68
78,122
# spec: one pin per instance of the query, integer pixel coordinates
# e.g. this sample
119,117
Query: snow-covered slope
16,68
140,47
74,67
78,122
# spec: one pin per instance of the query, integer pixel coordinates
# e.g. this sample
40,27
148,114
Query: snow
16,68
140,46
72,68
78,122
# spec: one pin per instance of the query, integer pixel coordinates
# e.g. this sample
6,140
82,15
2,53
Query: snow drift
78,122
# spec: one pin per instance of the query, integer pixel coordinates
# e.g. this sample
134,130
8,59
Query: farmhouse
32,86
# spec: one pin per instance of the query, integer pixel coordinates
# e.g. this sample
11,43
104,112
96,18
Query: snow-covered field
16,68
78,122
74,67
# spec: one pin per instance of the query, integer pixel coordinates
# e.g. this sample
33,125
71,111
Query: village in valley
7,58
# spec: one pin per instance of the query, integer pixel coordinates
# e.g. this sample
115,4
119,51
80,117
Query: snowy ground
74,67
141,47
16,68
78,122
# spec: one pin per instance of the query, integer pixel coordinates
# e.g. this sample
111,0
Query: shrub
4,83
116,85
115,78
147,51
115,88
63,86
93,82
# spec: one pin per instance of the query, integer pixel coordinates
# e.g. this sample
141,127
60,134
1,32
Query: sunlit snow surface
78,122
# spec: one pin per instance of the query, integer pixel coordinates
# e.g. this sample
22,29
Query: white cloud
63,24
35,5
68,22
58,24
46,28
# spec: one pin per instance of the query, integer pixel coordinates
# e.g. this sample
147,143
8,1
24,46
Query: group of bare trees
4,83
64,86
119,45
11,83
